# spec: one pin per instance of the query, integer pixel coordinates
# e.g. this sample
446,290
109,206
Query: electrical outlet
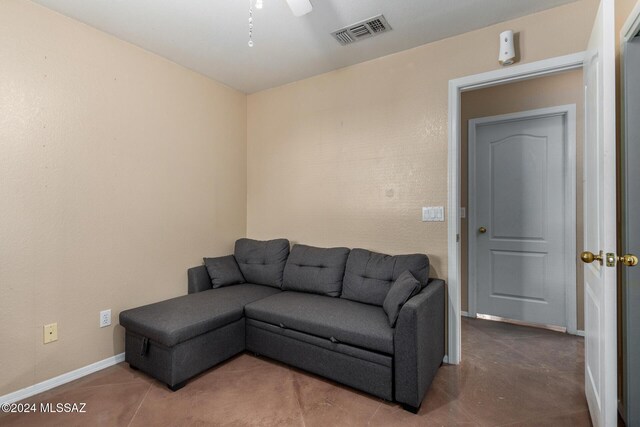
50,333
105,318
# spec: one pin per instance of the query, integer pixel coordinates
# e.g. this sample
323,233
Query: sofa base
361,369
409,408
175,365
177,386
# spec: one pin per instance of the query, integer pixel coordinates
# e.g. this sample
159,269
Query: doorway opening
521,201
457,88
521,197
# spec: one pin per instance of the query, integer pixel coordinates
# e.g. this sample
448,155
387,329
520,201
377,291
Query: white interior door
600,220
518,187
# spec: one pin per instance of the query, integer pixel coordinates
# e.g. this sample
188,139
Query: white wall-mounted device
507,55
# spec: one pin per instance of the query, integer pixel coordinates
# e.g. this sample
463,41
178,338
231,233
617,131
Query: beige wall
118,170
350,157
561,89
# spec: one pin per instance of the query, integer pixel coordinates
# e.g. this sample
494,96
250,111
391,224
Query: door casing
510,74
568,112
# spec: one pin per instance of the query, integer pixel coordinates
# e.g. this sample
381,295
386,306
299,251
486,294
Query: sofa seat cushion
179,319
337,319
246,293
368,275
315,270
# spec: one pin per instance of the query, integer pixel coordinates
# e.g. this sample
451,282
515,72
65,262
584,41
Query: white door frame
456,87
631,27
568,112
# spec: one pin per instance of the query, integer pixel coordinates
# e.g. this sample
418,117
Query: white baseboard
446,359
61,379
465,314
579,333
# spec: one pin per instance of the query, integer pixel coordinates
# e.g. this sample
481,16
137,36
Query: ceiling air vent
343,37
362,30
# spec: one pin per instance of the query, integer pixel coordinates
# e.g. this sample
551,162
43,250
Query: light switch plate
50,333
463,213
425,214
433,214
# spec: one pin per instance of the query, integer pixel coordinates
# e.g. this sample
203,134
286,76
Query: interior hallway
511,375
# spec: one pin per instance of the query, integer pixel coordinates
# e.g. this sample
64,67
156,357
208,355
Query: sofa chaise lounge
371,321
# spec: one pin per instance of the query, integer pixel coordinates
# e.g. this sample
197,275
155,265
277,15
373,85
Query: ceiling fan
300,7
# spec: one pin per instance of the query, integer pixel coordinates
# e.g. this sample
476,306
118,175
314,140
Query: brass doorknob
588,257
628,260
482,230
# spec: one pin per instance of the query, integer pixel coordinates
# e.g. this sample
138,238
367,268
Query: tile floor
510,376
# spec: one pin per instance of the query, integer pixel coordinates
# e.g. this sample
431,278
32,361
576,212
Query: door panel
527,267
600,219
519,190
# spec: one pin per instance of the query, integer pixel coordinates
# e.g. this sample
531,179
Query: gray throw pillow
402,289
223,271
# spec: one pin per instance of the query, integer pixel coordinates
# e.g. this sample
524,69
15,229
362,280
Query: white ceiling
210,36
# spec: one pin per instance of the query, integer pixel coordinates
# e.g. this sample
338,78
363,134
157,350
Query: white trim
568,112
520,72
472,290
466,314
445,359
570,220
456,87
631,27
578,333
61,379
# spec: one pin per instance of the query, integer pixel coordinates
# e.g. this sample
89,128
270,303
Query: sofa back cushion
262,262
315,270
369,275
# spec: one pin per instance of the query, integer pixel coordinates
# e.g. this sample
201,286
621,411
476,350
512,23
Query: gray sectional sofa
371,321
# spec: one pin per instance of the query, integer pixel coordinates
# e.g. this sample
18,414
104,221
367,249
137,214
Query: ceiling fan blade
300,7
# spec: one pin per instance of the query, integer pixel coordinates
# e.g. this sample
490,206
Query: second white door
520,215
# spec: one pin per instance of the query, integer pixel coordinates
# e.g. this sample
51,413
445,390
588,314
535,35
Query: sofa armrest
198,278
419,344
